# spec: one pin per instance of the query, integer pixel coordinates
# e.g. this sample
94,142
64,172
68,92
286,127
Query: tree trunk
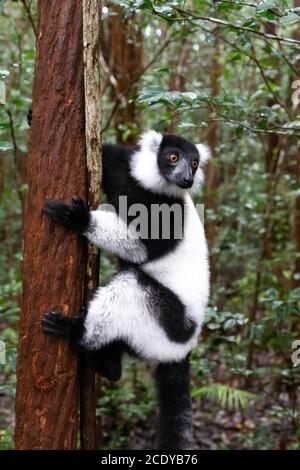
91,53
47,378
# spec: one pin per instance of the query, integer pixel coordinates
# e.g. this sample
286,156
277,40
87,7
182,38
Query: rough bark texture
91,54
47,378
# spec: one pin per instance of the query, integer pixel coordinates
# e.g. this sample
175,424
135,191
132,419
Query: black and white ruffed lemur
154,307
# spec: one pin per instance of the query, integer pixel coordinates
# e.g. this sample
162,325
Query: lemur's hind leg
107,361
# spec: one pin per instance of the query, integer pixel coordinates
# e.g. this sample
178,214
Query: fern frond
228,397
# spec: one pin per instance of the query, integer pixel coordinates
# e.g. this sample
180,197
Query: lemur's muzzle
183,175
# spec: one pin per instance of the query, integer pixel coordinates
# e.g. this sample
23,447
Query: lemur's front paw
75,217
56,324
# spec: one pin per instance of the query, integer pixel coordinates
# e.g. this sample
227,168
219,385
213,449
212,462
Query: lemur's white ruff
145,170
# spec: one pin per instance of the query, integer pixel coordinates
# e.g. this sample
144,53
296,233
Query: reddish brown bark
47,379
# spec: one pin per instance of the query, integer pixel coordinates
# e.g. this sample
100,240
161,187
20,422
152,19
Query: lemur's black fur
173,384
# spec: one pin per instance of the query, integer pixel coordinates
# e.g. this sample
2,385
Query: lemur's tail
175,413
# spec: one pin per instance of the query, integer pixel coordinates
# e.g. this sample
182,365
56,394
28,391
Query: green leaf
270,295
228,324
189,95
269,15
5,146
163,70
289,19
235,55
228,397
186,125
294,295
268,5
213,326
154,95
164,9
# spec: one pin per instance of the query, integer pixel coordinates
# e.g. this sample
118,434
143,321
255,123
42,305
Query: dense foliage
225,72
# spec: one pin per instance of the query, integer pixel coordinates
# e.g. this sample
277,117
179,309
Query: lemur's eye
173,157
195,164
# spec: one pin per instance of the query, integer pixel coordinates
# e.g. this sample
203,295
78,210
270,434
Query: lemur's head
168,163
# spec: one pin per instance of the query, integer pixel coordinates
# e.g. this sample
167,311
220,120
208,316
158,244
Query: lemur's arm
102,228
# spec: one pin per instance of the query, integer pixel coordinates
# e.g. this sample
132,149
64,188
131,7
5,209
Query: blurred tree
296,276
123,55
212,173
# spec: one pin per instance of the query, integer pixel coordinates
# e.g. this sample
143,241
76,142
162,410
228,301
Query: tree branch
27,8
219,22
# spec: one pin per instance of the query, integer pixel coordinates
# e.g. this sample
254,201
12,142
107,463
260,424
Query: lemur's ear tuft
204,153
151,140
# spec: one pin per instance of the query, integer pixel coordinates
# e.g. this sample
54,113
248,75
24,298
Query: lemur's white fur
145,170
204,153
110,232
144,166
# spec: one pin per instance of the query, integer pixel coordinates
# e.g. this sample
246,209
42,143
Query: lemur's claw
56,324
77,201
83,310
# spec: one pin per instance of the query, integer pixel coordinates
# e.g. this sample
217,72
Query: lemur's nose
187,181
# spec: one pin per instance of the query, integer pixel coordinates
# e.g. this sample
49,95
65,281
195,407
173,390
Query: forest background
222,72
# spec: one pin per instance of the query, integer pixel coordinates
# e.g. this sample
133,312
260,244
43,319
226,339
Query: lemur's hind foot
107,361
56,324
